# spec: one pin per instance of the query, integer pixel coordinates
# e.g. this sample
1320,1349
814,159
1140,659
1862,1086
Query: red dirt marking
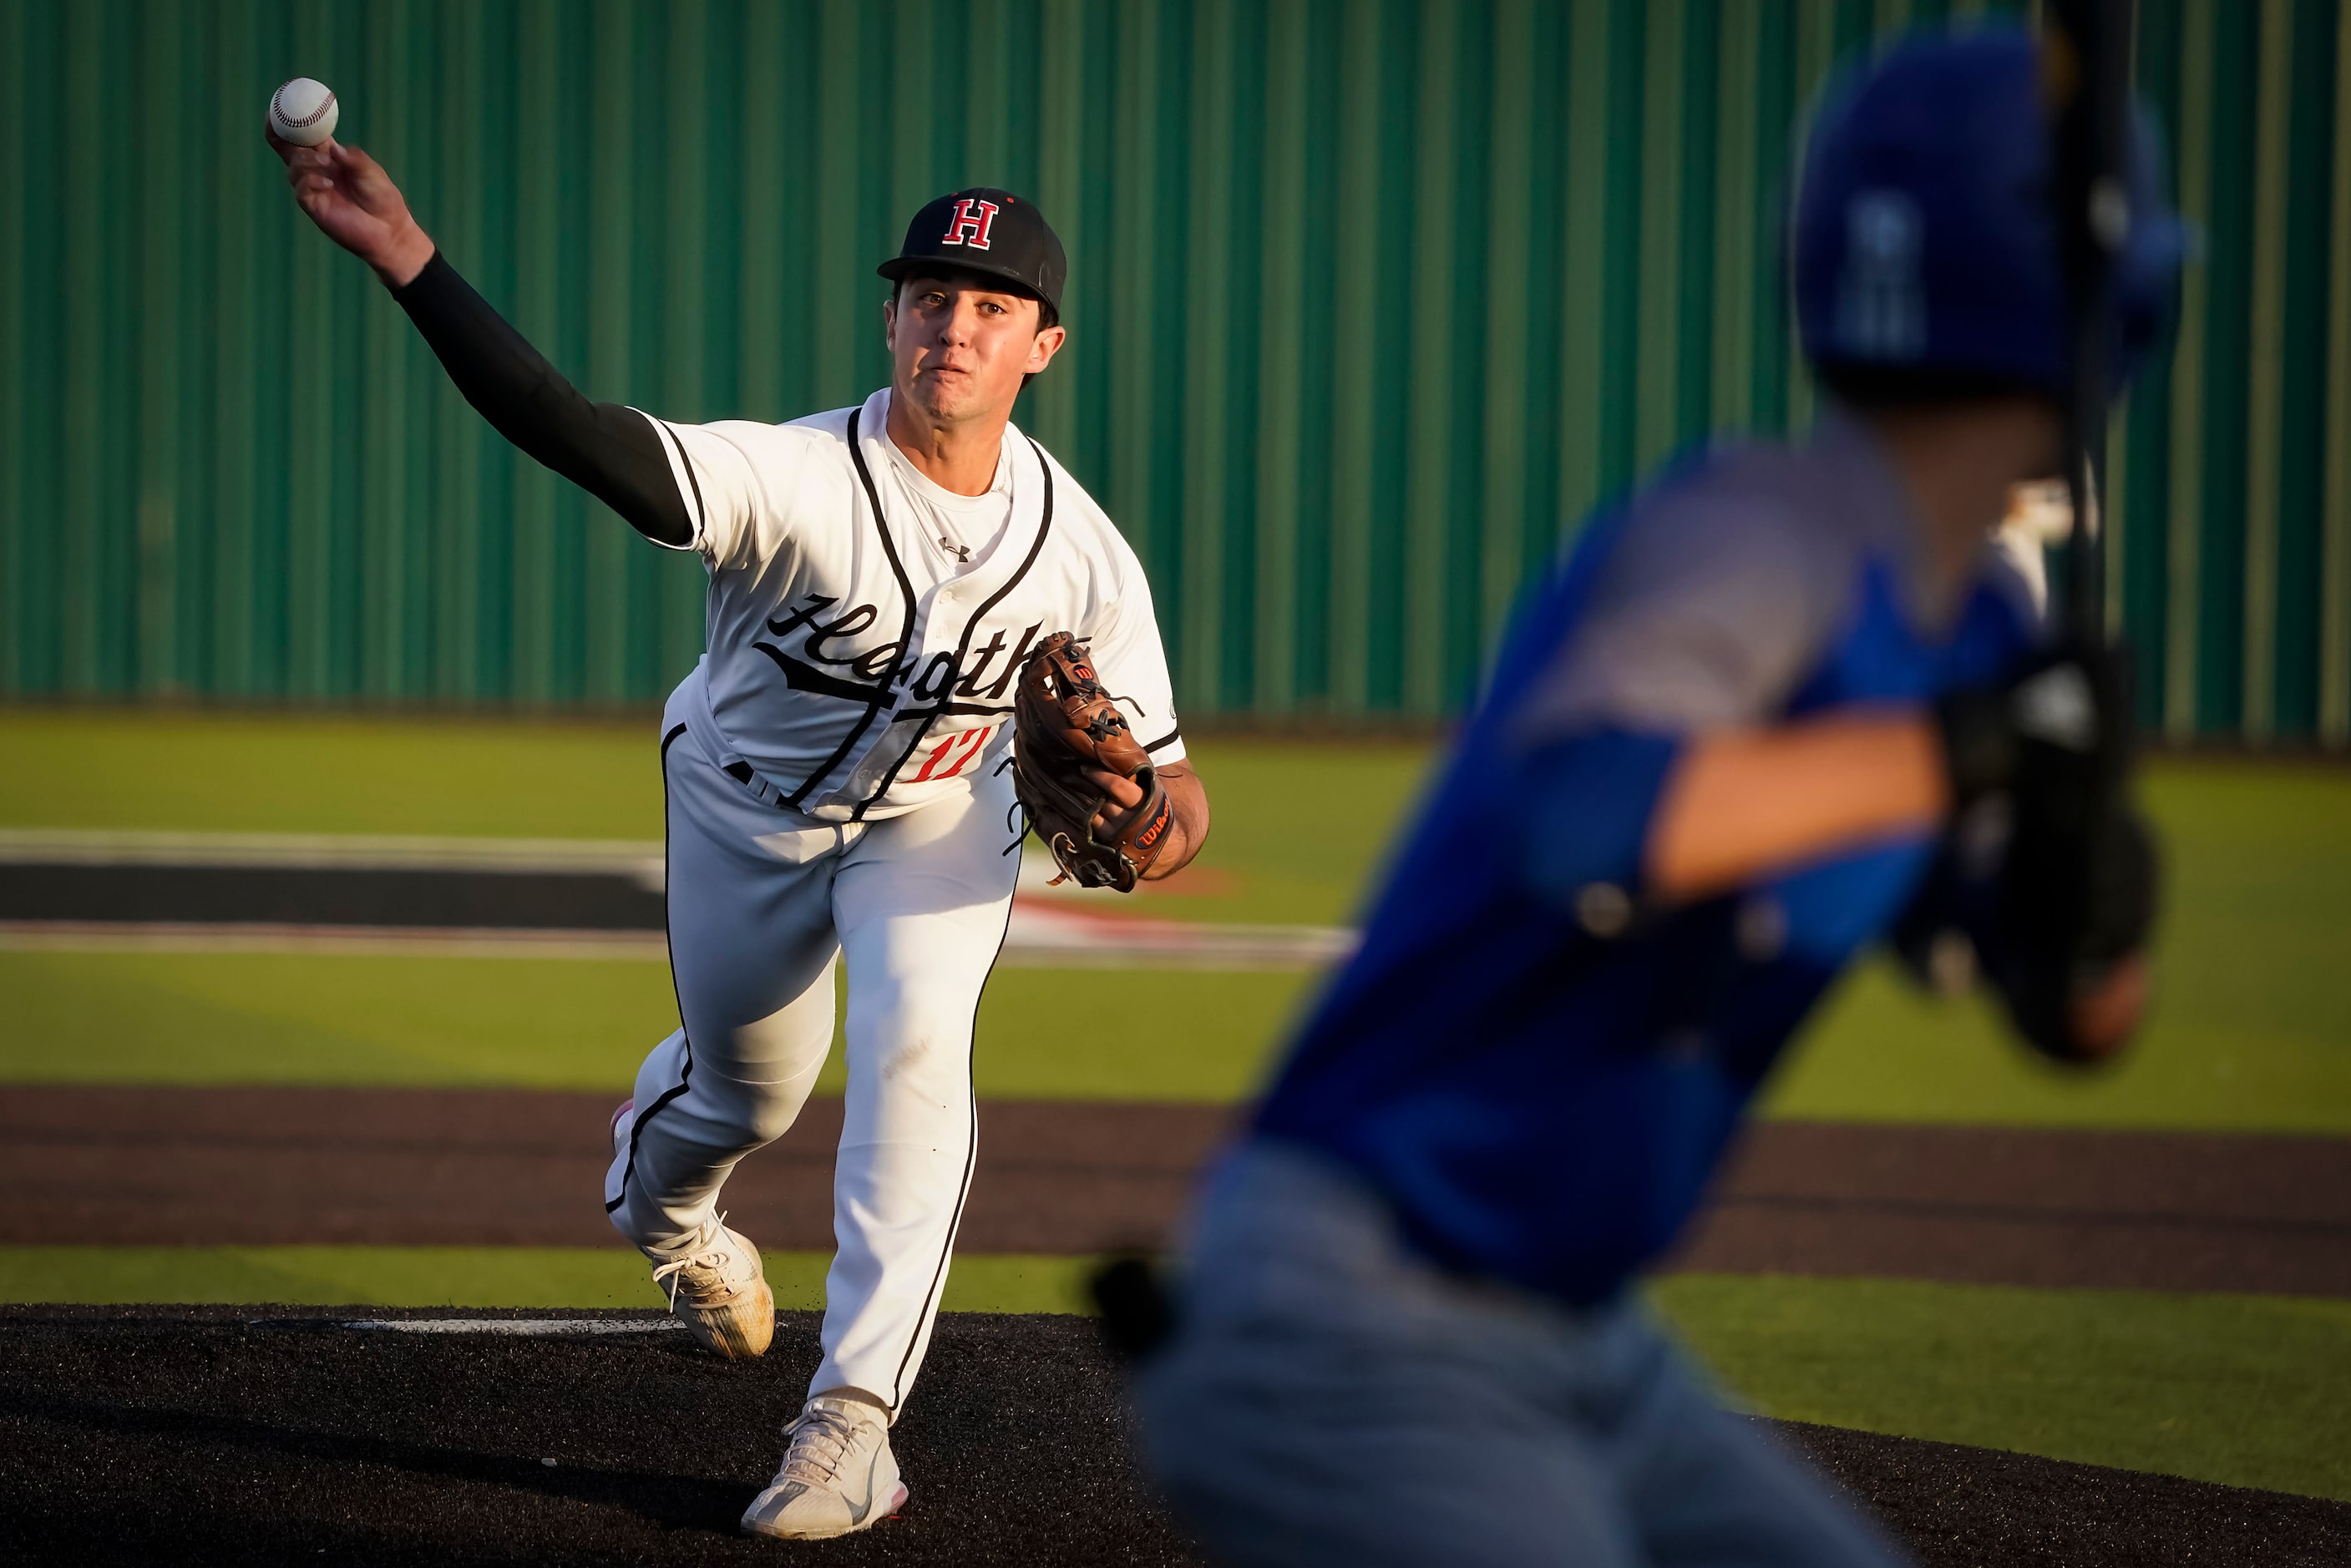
502,1168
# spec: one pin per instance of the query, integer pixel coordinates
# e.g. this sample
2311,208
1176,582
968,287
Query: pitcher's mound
233,1435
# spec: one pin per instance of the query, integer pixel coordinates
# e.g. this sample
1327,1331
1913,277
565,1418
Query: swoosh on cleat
858,1510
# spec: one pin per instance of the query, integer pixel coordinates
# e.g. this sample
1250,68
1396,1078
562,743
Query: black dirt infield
198,1435
371,896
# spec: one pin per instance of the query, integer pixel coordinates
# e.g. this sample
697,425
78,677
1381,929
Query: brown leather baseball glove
1063,722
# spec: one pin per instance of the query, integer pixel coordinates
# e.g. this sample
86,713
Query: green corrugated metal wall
1371,301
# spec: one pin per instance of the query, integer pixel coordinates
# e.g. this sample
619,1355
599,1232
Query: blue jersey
1539,1067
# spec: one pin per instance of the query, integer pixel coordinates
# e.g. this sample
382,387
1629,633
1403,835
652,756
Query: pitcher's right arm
609,450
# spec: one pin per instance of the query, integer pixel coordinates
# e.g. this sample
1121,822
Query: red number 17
954,754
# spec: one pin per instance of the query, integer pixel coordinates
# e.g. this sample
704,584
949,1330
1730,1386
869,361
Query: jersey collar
1002,559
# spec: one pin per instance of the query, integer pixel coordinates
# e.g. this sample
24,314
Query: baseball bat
2088,68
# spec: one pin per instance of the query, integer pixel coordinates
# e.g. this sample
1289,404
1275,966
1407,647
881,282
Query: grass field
1291,841
2252,1028
1880,1053
284,1018
2246,1390
2252,1034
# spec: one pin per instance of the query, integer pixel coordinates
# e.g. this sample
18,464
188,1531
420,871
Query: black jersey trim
685,1076
1170,737
905,631
701,512
970,1158
799,676
963,645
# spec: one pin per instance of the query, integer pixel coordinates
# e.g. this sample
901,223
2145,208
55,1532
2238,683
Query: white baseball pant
761,902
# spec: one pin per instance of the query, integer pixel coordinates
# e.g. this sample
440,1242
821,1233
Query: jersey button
1602,909
1761,928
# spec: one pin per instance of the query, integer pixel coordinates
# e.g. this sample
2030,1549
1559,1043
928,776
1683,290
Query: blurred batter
1789,703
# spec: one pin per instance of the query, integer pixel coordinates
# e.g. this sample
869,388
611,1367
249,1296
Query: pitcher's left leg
921,904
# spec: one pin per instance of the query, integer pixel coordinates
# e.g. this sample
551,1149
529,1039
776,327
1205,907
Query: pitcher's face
960,350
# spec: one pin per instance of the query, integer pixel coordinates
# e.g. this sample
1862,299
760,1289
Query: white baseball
302,112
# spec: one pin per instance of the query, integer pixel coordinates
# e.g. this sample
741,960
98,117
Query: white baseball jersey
865,630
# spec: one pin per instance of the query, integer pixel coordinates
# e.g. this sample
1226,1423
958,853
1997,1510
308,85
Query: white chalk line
1039,937
526,1327
328,851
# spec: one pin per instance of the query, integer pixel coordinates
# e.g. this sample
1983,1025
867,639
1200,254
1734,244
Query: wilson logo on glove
1063,724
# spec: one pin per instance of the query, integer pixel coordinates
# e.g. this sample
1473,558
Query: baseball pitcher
889,583
1787,702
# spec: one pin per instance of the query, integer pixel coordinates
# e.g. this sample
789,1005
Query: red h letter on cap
972,221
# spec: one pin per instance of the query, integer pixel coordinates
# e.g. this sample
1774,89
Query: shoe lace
822,1439
710,1252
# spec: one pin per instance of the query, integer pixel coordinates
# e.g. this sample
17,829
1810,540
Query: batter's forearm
610,451
1747,803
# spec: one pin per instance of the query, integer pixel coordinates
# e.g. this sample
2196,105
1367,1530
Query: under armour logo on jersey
960,552
973,218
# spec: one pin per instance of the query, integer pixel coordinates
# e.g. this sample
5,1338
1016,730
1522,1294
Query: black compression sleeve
609,450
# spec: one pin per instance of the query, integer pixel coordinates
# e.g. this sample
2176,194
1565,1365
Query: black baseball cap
987,231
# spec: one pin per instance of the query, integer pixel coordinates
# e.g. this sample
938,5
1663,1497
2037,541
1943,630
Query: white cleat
839,1474
716,1287
718,1290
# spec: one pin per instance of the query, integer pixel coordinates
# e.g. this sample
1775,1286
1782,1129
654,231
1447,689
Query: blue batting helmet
1925,238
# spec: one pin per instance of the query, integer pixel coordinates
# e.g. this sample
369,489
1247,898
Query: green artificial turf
552,1023
2245,1390
2252,1028
2252,1021
1882,1053
290,1018
1293,830
199,771
611,1276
